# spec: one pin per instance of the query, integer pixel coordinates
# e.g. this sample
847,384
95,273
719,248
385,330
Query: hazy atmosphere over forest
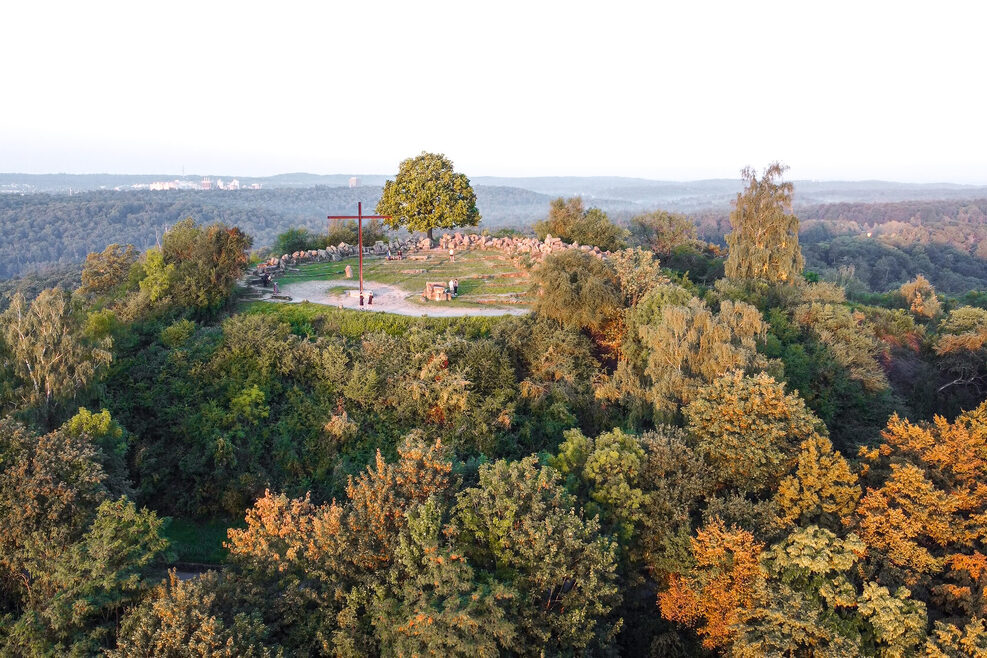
663,330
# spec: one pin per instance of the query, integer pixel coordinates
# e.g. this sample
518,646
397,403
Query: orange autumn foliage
380,497
283,532
901,517
726,580
929,516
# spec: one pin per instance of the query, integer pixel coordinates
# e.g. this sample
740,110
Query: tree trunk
429,232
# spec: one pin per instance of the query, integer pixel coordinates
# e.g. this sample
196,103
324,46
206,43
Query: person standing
452,288
452,256
455,287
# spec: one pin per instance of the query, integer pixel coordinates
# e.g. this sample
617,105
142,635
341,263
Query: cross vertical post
359,217
359,232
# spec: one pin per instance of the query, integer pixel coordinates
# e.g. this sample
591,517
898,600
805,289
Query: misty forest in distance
50,222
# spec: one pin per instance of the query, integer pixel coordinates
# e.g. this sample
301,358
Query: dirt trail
387,299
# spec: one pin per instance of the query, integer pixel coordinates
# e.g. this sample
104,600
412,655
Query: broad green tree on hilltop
427,194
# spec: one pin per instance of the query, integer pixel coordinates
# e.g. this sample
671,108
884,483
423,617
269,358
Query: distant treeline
878,246
44,231
881,245
870,247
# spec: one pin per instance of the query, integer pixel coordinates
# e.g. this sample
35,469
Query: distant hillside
609,192
41,231
58,183
718,194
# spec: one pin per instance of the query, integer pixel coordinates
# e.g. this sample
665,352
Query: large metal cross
359,217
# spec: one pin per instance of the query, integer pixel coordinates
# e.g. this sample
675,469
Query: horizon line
473,177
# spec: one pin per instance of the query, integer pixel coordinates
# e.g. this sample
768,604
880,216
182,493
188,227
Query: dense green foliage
864,264
653,462
567,219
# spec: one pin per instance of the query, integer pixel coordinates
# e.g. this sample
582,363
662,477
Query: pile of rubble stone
514,246
332,254
510,246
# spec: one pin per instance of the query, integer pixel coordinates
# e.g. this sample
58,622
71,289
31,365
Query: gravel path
387,299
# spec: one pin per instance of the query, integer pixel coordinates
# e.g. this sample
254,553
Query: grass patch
479,272
459,302
315,272
198,541
308,319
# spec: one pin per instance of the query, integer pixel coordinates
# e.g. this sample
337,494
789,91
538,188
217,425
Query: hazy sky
670,90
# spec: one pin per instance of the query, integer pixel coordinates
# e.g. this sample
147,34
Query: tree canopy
570,221
427,194
649,463
764,242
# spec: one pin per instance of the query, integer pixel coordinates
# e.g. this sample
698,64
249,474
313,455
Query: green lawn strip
478,272
313,271
308,319
459,302
500,288
198,541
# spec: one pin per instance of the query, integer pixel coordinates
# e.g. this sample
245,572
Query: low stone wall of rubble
511,246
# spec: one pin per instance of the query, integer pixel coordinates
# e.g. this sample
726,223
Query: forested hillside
875,247
43,230
659,460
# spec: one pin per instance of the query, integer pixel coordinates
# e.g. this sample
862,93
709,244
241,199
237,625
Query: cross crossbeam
359,217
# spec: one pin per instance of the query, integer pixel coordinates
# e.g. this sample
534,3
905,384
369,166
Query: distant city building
234,184
164,185
354,182
255,186
206,184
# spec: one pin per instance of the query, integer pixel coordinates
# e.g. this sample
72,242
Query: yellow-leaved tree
764,243
749,429
921,297
675,344
823,490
